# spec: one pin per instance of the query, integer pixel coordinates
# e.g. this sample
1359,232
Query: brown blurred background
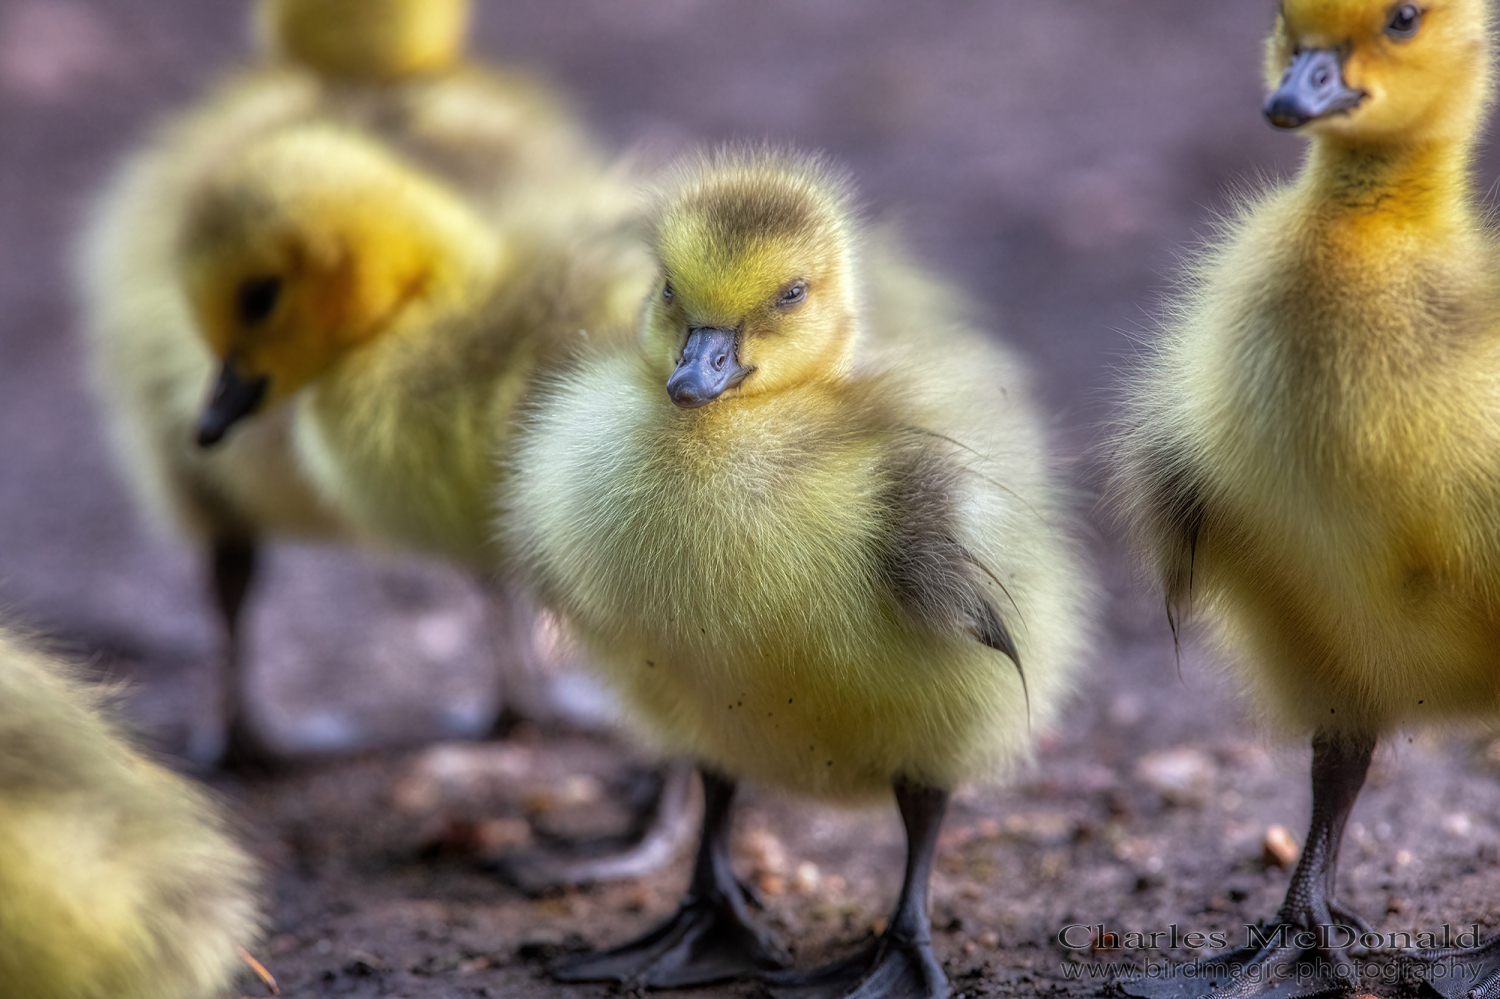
1056,158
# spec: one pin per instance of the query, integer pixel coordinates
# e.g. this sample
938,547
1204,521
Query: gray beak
709,366
1312,87
234,398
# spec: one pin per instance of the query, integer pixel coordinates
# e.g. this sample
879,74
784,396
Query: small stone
771,884
765,852
989,939
806,878
503,835
580,789
1182,776
1279,848
1403,857
1458,824
363,964
455,836
416,794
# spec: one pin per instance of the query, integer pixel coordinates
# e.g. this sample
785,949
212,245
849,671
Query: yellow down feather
1312,455
724,564
118,878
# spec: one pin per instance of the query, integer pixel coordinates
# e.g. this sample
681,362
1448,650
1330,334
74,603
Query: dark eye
793,294
1404,22
258,298
666,292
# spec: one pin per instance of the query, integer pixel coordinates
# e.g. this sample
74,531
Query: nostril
719,362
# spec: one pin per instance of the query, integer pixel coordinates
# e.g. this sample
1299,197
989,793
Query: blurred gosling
398,329
366,40
1312,456
806,524
510,148
118,878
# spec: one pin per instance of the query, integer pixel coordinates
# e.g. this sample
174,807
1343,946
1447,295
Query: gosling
118,878
1311,459
807,526
505,143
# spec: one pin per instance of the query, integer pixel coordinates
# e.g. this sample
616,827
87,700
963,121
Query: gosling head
314,242
1379,71
366,40
757,286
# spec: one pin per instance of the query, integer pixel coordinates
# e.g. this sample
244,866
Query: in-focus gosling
1312,457
806,524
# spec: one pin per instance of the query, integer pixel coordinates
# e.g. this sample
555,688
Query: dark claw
886,969
711,938
1281,969
703,943
1467,972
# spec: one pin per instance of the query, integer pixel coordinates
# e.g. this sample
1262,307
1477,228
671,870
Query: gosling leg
233,559
1309,914
899,964
711,938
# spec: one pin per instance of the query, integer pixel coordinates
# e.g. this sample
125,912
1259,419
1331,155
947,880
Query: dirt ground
1057,159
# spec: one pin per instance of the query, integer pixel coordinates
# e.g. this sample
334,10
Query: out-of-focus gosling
366,40
118,878
510,148
806,523
402,330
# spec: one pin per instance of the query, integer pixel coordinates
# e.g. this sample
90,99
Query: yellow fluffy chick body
118,878
405,330
1313,455
509,147
749,573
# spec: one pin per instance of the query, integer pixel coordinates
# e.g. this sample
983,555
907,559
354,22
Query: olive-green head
1377,72
757,292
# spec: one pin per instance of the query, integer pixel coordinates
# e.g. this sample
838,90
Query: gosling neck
1421,188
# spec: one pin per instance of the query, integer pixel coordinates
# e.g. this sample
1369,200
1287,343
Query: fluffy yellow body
118,879
409,434
727,566
1314,453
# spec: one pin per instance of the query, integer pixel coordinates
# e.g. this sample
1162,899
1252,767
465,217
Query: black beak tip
233,398
1285,114
208,435
683,397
